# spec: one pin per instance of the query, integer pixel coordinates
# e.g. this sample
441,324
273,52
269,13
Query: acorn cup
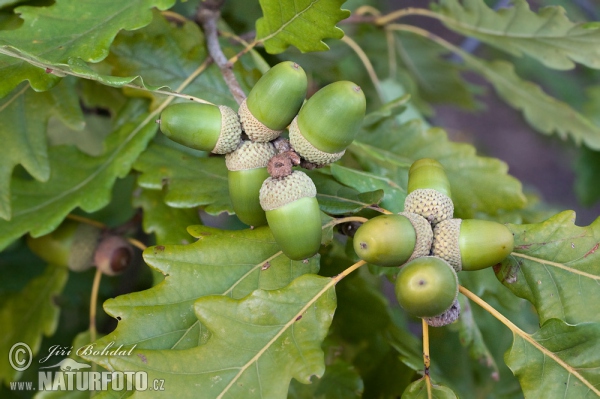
392,240
247,167
293,214
328,122
429,191
273,101
203,127
426,287
471,244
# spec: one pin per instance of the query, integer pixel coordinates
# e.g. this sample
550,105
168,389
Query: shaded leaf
556,266
418,390
169,224
40,207
548,36
301,23
27,315
258,344
230,263
189,180
587,168
337,199
86,31
25,114
340,381
478,184
542,376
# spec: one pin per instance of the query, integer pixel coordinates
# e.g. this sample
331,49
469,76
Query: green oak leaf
257,345
85,33
301,23
25,115
39,208
548,36
336,199
567,367
340,381
419,390
169,224
479,184
556,266
230,263
189,180
27,315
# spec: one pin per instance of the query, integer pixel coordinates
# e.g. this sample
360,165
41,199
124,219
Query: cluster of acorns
430,246
320,130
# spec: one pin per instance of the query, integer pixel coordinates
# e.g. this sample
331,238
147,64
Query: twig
93,305
367,64
426,357
208,15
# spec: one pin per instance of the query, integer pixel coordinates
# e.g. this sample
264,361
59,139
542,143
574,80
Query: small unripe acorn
293,214
203,127
247,167
273,101
392,240
471,244
328,122
426,286
113,255
71,245
429,191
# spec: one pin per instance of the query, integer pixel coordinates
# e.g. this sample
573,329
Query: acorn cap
250,155
445,242
429,203
277,97
255,129
330,119
203,127
113,255
276,193
448,317
424,234
307,150
83,248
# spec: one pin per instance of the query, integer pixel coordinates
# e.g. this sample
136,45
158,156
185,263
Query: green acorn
203,127
247,167
426,287
293,214
328,122
471,244
429,191
71,245
273,102
392,240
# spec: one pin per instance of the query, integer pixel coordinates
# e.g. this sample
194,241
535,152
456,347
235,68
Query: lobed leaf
27,315
230,263
556,266
258,344
301,23
40,207
340,381
85,33
574,376
548,36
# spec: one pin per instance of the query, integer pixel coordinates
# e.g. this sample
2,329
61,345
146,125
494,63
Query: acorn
247,167
71,245
328,122
392,240
471,244
429,191
426,287
273,101
113,255
203,127
293,214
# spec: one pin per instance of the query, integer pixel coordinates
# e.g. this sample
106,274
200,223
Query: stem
386,19
428,35
208,15
391,45
137,243
93,305
426,357
367,63
83,219
173,16
516,330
